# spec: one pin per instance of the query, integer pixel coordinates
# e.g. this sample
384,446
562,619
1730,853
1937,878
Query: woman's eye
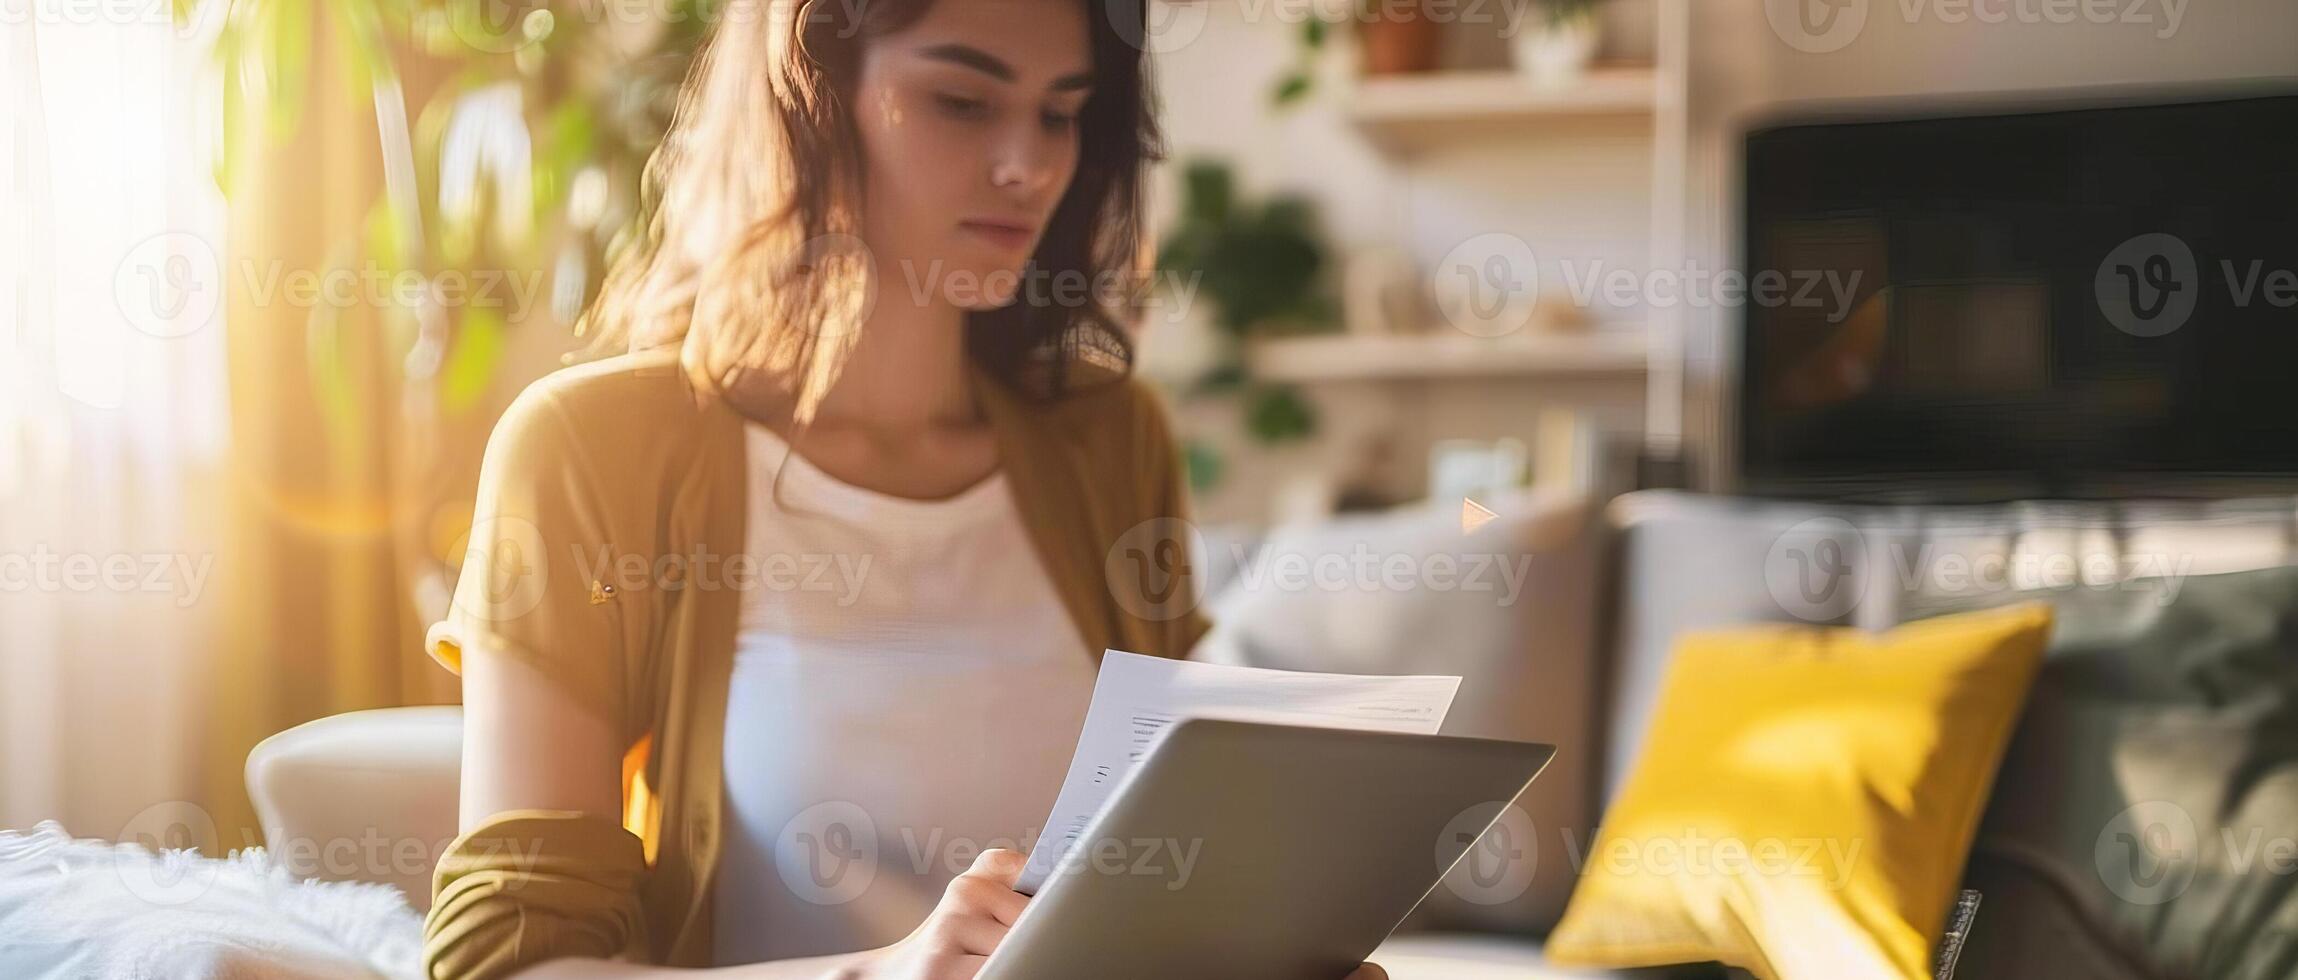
1059,122
961,107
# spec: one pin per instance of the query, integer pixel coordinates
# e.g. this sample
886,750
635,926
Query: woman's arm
812,968
528,744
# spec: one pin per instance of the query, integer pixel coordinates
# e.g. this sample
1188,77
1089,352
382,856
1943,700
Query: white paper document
1136,698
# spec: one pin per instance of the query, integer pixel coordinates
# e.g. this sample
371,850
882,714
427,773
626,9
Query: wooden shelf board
1343,357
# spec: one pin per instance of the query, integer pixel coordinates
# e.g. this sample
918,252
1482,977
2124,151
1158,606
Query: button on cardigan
627,464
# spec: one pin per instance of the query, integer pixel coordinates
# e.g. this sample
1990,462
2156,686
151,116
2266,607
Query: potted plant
1397,36
1263,267
1393,36
1556,40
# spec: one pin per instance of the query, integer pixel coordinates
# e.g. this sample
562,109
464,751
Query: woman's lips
1003,234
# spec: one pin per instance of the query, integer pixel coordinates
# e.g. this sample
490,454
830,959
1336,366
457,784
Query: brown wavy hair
744,255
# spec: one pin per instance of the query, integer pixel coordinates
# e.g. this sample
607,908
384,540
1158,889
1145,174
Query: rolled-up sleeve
528,886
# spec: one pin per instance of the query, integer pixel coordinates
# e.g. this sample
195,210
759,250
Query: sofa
1577,660
1569,650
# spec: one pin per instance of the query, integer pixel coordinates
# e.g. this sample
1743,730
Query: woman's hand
976,910
957,937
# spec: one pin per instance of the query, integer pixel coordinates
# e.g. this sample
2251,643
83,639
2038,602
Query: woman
776,629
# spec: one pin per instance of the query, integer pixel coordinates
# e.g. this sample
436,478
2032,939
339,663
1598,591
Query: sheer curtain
112,414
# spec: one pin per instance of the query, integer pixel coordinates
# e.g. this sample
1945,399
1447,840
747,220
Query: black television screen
2062,299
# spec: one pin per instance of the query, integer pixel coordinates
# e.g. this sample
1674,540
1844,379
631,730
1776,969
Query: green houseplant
1263,266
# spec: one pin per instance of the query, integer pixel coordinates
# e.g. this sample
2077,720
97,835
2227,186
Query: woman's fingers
965,927
1369,971
980,905
985,896
999,864
987,887
970,933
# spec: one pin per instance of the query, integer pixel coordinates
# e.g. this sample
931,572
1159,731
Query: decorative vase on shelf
1380,293
1557,43
1398,38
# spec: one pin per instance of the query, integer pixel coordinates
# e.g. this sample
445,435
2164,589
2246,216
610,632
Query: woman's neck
900,418
905,372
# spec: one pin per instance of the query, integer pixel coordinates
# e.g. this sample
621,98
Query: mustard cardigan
625,466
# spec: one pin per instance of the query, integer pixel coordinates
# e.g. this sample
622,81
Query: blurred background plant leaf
525,161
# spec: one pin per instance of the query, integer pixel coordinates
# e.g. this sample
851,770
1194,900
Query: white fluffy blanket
91,908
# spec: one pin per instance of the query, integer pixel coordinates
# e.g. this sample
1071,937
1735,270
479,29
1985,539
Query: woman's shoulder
612,414
651,382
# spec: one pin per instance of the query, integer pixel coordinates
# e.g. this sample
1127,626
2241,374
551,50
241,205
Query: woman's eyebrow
995,67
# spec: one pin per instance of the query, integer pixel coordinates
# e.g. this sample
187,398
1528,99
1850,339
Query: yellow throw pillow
1805,799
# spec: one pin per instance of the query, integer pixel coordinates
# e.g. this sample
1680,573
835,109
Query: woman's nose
1024,161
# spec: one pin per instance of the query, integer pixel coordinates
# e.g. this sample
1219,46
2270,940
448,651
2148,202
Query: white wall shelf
1405,113
1596,354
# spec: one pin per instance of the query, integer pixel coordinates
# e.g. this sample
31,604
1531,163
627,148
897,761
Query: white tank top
907,689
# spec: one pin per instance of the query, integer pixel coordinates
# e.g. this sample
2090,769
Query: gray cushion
1522,642
2152,787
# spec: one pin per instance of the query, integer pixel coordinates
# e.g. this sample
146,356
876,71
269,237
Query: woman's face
968,122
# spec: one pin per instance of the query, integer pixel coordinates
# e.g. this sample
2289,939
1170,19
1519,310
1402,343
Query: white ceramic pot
1553,51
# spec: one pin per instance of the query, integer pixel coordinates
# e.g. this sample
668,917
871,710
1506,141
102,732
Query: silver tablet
1262,852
